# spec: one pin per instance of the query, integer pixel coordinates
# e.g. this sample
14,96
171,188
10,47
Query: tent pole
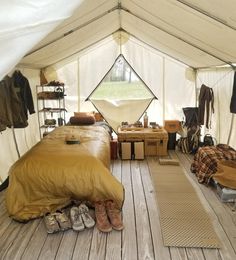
14,137
5,184
113,9
231,127
163,89
203,12
78,89
175,36
196,97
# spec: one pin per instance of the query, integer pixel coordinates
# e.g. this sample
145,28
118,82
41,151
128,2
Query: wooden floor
141,238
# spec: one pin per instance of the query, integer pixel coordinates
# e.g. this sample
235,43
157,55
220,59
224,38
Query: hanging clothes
23,89
233,98
206,105
10,105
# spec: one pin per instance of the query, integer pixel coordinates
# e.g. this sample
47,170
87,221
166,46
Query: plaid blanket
205,160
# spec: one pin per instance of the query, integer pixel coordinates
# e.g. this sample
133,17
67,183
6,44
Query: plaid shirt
205,160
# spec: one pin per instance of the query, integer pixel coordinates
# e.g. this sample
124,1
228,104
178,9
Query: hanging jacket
233,98
10,105
206,105
23,89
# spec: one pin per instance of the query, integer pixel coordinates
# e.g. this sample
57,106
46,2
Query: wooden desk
155,142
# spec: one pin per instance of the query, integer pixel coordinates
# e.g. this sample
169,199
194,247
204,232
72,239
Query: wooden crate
125,150
172,126
156,147
138,150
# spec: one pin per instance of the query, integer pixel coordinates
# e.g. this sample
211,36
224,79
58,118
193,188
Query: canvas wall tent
174,45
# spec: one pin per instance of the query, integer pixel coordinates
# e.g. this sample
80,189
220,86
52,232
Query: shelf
50,105
52,110
53,98
47,126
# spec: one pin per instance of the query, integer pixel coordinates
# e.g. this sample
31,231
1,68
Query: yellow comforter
53,173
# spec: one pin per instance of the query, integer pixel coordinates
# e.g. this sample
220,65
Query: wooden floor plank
195,253
2,197
9,236
36,243
51,245
98,245
129,250
17,248
67,245
5,221
144,239
83,245
178,253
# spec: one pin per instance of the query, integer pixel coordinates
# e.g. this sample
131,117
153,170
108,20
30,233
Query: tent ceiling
196,32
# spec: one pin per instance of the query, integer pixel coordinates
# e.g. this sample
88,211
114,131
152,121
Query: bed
52,173
205,161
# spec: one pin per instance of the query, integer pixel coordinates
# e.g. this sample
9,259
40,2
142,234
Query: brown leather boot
114,215
102,222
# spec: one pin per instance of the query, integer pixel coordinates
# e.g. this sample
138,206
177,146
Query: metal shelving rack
50,105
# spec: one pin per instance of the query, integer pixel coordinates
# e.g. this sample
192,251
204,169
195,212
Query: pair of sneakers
56,221
81,218
108,216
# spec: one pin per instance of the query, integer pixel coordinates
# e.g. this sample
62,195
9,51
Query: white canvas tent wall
79,34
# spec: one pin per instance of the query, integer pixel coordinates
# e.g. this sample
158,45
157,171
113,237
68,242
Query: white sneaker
76,219
87,219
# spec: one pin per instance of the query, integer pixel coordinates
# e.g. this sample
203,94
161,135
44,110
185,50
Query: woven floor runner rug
184,220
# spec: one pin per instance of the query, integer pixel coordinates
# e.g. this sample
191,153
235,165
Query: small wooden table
154,140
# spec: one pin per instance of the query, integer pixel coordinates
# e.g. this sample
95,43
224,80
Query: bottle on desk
145,120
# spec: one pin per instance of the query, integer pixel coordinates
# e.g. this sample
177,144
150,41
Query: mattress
52,173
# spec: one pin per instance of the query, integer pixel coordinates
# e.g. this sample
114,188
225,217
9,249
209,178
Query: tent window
121,95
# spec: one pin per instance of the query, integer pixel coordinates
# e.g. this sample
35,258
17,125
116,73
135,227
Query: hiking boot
51,223
114,215
62,219
103,223
76,219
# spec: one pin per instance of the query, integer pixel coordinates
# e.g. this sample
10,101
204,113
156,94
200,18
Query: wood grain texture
141,238
144,239
130,250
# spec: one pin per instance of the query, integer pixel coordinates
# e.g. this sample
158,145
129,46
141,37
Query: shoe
87,219
76,219
114,215
103,223
51,223
62,219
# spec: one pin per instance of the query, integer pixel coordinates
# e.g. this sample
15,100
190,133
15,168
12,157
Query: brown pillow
226,173
82,114
83,120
